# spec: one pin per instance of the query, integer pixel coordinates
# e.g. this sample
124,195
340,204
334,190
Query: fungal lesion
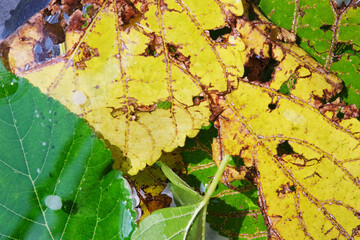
285,189
286,153
175,54
154,47
131,110
84,53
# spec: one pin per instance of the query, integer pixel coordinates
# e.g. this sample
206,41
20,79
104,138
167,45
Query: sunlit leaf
56,177
307,163
327,31
231,211
136,85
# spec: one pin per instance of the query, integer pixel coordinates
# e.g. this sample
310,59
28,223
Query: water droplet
53,202
203,188
9,83
79,98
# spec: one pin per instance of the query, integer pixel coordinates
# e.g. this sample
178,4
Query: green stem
216,180
208,194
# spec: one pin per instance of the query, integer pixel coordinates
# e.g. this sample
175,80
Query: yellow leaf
133,75
308,166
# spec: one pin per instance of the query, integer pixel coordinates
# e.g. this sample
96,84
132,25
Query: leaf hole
272,64
175,55
216,33
164,105
197,100
288,85
272,106
284,148
259,69
252,14
339,114
49,46
325,27
342,48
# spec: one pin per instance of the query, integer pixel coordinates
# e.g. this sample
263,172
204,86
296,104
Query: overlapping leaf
232,211
186,221
136,69
56,177
327,31
307,163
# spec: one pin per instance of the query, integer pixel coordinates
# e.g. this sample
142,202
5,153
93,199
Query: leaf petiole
204,202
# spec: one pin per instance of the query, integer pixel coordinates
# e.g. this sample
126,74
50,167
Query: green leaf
234,213
164,105
185,222
182,192
329,33
56,177
172,223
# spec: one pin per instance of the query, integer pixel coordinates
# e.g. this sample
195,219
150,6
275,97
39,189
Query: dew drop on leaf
79,98
53,202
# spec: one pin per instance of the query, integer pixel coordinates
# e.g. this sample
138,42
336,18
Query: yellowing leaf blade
128,61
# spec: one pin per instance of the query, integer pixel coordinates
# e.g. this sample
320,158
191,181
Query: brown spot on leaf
176,56
285,189
282,34
126,11
132,110
339,110
158,202
85,53
69,6
355,232
155,46
76,20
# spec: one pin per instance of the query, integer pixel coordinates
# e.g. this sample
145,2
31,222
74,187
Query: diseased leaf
328,32
307,161
308,176
233,209
150,53
56,177
271,63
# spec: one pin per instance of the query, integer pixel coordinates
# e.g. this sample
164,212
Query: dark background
13,13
